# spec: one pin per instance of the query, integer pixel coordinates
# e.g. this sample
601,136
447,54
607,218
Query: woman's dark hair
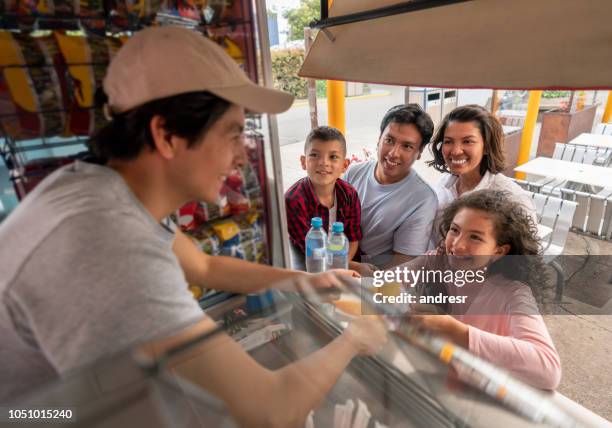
188,116
492,135
409,114
514,227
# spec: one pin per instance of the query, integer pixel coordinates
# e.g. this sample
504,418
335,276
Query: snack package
226,230
235,181
250,227
223,203
238,203
251,182
186,216
206,240
254,250
75,50
35,88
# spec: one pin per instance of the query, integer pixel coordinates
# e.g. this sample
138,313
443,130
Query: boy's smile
325,162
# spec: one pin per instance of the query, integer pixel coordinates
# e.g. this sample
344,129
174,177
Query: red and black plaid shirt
302,205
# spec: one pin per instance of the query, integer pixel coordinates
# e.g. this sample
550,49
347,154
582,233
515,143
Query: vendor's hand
330,279
324,287
367,333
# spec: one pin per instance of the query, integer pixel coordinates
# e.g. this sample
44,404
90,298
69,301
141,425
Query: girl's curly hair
514,227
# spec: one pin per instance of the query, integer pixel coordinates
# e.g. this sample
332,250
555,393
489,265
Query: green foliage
321,88
555,94
301,17
285,66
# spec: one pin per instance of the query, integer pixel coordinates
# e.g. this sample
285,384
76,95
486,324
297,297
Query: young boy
322,194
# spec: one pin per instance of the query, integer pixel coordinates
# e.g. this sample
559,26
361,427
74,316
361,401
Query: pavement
581,326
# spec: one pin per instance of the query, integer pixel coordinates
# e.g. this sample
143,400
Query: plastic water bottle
316,239
337,248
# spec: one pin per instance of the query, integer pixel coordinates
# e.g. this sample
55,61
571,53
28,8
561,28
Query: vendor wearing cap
90,267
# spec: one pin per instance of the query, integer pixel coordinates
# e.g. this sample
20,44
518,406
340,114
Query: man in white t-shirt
397,205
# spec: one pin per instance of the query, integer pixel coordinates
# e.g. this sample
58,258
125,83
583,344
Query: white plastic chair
568,153
562,224
589,156
579,153
558,152
600,129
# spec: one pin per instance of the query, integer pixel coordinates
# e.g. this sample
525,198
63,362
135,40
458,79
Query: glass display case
403,386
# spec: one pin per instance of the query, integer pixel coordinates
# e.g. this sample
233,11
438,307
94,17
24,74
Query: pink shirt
506,329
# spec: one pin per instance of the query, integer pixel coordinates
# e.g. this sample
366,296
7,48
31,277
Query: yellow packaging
226,230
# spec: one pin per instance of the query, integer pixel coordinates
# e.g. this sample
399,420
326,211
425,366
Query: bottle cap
338,227
316,222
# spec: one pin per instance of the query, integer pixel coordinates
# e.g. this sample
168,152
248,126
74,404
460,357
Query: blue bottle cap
338,227
316,222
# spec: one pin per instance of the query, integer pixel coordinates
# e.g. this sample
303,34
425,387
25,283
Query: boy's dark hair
514,227
492,135
325,133
188,116
406,114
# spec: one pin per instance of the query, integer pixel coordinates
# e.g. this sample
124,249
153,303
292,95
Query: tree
302,17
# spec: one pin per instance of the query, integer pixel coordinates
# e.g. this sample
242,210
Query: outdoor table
568,171
593,140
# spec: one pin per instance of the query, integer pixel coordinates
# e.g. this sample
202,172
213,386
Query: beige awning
511,44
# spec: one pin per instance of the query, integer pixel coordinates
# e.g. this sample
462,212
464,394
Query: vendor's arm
239,276
258,397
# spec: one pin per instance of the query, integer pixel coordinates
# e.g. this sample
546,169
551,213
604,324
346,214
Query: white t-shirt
446,190
333,215
394,217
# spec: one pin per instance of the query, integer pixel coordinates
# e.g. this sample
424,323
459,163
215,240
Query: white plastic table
569,171
593,140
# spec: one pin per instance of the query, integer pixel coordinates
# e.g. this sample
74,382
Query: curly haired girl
500,322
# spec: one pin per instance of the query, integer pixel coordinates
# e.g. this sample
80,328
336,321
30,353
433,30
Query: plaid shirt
302,205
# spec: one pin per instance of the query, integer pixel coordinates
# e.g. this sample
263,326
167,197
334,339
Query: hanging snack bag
103,49
75,50
229,234
34,85
9,119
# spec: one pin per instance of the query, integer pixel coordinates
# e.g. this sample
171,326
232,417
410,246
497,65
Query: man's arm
256,396
239,276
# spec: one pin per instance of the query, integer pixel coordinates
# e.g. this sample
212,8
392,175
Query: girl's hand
431,318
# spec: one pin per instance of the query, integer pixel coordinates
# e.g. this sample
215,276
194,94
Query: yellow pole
533,107
336,114
607,116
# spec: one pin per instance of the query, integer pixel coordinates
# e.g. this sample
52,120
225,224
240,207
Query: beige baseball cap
160,62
